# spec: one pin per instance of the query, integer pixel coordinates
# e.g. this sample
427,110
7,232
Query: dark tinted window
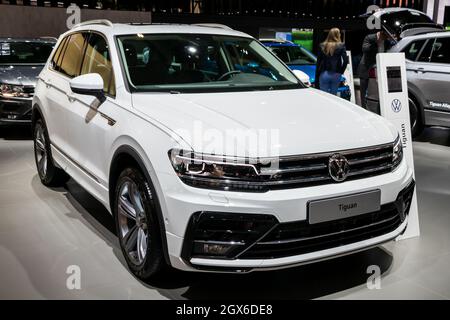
15,52
97,60
441,51
413,49
201,63
73,54
426,52
293,55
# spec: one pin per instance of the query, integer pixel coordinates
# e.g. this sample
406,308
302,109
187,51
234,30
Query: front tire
415,117
137,224
49,174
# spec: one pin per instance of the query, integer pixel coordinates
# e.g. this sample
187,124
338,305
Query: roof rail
104,22
213,25
139,23
48,38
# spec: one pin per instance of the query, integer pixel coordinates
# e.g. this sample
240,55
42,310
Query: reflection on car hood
304,120
20,74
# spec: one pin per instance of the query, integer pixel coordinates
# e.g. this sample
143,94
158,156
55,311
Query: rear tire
49,174
137,224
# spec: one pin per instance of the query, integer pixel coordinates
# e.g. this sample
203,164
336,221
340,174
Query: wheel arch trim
134,154
415,93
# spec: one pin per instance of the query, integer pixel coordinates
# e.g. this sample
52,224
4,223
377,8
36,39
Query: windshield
294,55
26,52
395,21
201,63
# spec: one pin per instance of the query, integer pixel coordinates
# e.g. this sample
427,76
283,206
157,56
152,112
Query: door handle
420,70
71,98
48,83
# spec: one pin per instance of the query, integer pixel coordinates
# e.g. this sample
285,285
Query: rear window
26,52
396,21
441,51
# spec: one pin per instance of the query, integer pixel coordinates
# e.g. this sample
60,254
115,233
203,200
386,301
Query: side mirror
303,77
89,84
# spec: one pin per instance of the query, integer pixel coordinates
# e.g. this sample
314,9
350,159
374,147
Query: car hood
20,75
300,121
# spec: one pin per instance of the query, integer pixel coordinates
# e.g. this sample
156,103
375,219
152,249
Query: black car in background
21,61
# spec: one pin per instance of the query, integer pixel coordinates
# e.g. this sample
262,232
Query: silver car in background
21,61
428,74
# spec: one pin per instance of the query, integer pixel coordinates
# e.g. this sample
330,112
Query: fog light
224,235
216,249
404,200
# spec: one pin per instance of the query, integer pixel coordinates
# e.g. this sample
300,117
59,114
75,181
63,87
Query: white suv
158,122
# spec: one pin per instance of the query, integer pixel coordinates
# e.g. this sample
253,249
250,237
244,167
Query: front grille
300,237
29,91
308,170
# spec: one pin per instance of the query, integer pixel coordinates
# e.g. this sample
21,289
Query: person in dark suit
372,45
332,61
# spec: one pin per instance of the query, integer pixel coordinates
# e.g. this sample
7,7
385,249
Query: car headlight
12,91
397,152
215,172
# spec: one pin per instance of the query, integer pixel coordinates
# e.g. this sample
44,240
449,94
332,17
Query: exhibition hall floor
44,231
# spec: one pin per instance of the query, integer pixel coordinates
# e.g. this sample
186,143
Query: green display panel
303,38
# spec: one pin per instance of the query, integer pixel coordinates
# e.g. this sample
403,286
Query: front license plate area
343,207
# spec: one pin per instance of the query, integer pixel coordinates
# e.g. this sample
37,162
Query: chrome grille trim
296,171
327,234
369,159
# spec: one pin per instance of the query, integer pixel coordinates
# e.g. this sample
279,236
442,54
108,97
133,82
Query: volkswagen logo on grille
396,105
338,167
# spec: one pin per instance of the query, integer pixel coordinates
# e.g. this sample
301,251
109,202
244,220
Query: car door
54,116
432,75
89,123
65,66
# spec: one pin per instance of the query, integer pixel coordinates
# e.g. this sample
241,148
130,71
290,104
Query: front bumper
15,111
288,207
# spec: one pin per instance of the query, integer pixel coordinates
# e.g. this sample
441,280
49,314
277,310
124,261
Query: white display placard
394,106
348,74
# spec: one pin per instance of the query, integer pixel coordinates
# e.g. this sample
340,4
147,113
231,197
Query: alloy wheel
413,114
41,151
133,222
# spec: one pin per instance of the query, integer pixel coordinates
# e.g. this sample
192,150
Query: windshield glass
395,21
294,55
201,63
26,52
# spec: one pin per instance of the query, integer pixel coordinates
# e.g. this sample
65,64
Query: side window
425,55
97,60
412,50
56,60
441,51
73,54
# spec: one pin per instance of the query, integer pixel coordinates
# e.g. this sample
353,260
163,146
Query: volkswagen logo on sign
396,105
338,167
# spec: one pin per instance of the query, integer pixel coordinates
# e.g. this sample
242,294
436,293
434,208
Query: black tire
132,188
415,114
49,174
